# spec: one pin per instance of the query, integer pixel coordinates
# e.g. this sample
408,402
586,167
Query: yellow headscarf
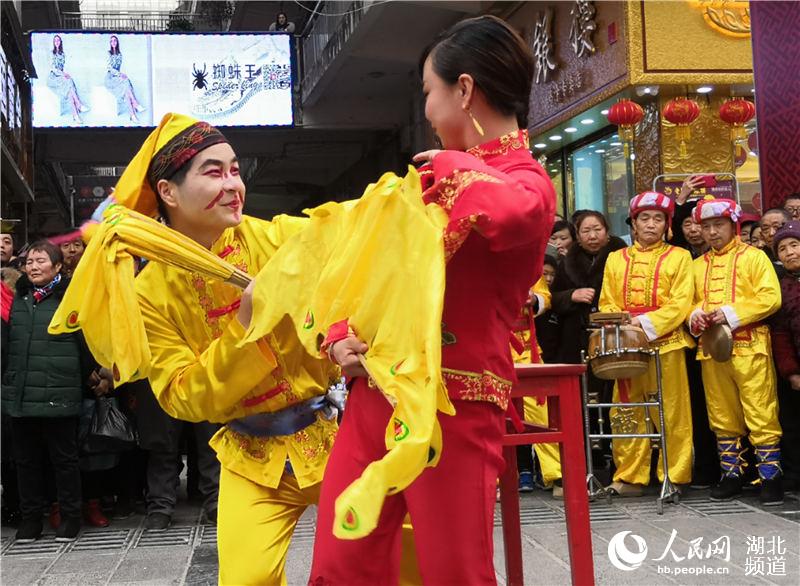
101,298
133,189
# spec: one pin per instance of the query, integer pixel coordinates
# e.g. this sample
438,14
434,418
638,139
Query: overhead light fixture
555,137
539,145
604,112
615,143
599,151
587,121
579,159
647,90
570,129
633,156
704,89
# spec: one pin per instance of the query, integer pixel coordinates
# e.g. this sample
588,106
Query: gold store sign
729,17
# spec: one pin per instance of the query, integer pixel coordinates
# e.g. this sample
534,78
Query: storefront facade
589,55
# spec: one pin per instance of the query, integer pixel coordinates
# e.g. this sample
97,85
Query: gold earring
476,124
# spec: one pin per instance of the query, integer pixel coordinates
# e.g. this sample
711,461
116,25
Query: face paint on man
209,198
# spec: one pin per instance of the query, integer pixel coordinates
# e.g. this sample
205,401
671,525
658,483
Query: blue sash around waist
294,417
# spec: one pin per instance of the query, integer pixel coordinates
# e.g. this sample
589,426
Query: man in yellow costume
525,351
737,288
652,281
275,445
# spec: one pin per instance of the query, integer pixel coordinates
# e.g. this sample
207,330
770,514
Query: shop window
10,106
601,178
554,165
745,160
3,78
17,116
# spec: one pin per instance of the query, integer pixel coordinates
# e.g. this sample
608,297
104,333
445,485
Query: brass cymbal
717,342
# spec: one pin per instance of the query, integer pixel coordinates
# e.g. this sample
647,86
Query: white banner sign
123,79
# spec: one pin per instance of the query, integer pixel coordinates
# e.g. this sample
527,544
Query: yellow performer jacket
200,370
740,280
521,348
654,284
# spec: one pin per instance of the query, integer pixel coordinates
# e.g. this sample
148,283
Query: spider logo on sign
200,82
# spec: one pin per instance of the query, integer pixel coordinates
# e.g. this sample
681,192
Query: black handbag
111,429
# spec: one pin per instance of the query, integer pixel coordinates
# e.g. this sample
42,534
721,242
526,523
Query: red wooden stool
560,385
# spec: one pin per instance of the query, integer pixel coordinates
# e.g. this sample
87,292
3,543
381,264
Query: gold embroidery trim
720,266
255,447
206,296
313,450
456,233
451,187
508,142
473,386
635,277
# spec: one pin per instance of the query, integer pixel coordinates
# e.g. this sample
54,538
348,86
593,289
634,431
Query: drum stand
655,399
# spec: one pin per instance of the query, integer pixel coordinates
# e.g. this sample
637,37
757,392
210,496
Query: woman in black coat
579,278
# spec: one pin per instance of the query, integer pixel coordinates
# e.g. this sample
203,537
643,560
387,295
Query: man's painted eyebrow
215,163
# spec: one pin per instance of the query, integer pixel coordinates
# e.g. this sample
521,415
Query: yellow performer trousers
632,457
255,525
548,454
741,397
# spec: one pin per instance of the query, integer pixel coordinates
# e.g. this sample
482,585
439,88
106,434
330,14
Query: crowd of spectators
52,471
51,384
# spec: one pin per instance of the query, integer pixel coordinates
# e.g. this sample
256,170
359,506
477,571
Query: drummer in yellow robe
652,281
272,459
548,454
736,287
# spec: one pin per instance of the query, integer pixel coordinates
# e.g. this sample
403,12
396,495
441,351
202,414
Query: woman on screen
62,83
119,84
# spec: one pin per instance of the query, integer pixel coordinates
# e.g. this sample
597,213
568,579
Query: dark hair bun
496,57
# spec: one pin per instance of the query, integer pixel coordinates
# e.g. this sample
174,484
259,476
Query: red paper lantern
626,114
737,112
681,112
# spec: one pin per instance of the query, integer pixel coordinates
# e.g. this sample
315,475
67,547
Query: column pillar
775,69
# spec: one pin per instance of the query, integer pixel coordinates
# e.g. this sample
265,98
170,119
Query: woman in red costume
476,79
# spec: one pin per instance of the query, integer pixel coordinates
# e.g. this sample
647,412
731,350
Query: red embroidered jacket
501,207
6,299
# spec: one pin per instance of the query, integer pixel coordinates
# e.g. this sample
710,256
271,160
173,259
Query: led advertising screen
132,79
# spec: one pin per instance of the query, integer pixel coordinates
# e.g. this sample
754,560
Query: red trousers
451,506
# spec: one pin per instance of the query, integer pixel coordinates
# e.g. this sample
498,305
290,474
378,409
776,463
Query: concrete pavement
763,546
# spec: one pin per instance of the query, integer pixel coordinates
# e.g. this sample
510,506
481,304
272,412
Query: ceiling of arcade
365,94
367,100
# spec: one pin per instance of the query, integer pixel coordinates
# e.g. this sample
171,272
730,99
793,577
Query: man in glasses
792,205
